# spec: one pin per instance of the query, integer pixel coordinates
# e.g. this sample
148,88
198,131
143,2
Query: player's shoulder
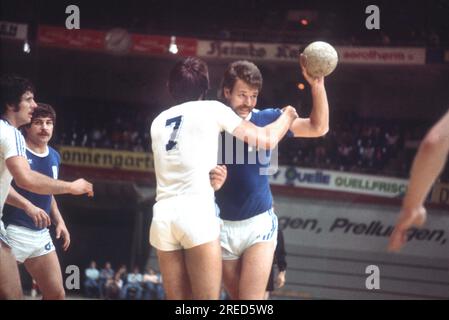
10,133
268,113
8,129
215,103
200,108
204,105
53,152
158,118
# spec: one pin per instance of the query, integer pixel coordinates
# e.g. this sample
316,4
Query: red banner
76,38
96,40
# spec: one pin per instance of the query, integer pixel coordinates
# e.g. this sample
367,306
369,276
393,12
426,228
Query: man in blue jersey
185,229
249,230
31,244
16,108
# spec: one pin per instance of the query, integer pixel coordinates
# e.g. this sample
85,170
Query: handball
320,59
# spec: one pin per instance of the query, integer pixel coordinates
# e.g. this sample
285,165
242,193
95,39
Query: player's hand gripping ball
320,59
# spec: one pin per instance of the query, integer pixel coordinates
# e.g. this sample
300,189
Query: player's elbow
24,181
24,184
322,130
432,141
264,139
271,143
266,144
319,130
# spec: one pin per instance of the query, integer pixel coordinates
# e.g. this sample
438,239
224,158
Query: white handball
320,59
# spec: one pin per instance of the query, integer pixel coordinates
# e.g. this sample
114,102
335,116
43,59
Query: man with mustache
185,228
32,245
16,108
249,229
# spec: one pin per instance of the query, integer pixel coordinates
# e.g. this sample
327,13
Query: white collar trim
41,155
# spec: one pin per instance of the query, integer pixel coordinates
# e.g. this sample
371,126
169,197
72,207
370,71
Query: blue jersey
246,192
47,164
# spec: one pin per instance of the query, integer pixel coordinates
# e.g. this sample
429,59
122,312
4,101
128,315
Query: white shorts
3,233
184,222
237,236
26,243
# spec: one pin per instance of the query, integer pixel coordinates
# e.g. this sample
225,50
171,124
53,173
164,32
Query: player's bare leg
10,286
174,274
247,277
47,273
257,261
204,268
231,277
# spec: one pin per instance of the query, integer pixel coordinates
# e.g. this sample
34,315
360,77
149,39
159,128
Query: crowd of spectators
122,129
370,146
122,284
361,146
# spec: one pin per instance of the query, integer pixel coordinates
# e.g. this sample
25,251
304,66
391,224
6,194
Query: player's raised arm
269,136
317,124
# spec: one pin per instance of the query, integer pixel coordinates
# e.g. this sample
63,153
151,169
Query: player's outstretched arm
39,216
269,136
38,183
317,124
427,165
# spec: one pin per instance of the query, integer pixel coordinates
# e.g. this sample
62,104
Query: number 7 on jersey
177,121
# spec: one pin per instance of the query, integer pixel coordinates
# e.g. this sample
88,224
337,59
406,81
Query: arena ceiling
236,18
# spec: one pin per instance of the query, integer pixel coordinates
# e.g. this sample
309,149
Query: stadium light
26,47
173,48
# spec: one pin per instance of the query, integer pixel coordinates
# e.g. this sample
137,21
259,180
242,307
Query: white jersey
185,146
12,144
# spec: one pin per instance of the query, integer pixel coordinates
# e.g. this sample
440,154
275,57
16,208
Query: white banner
248,50
356,226
284,52
339,181
13,30
332,244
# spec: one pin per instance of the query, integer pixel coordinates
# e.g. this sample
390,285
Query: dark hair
42,110
243,70
188,80
12,88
